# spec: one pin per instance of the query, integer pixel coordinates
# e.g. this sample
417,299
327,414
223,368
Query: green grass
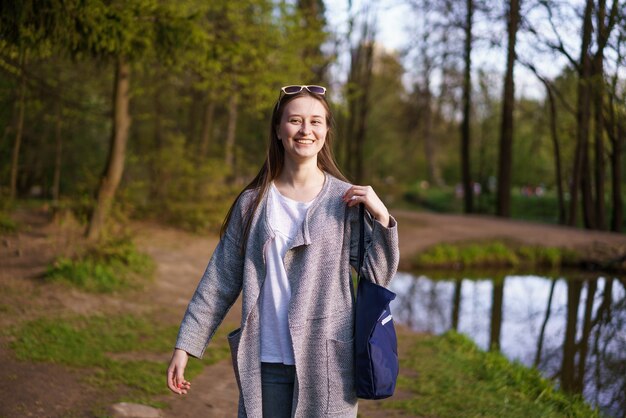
493,254
108,267
454,378
92,342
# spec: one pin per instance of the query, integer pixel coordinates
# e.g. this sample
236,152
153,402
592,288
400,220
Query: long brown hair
275,161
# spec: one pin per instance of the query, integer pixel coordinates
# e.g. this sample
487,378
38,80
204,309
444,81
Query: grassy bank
494,254
443,376
126,353
449,376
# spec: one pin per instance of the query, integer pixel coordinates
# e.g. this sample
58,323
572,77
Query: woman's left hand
373,204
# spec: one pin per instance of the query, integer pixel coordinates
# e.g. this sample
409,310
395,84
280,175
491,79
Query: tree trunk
582,121
19,129
359,79
589,218
456,304
58,159
496,314
231,131
557,155
158,184
207,128
568,376
466,176
583,346
117,152
598,106
432,168
617,216
508,102
599,153
614,130
193,115
366,73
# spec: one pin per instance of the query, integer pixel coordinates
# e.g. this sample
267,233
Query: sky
395,19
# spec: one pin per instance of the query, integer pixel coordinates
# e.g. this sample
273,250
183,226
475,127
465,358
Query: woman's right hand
176,372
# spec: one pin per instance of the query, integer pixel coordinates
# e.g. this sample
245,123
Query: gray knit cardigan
321,307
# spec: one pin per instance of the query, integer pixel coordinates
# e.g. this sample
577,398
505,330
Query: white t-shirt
285,218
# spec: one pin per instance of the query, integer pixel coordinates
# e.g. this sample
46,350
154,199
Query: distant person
287,244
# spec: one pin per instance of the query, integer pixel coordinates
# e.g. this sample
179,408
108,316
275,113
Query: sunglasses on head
297,89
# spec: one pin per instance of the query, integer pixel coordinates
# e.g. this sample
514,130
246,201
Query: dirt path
53,390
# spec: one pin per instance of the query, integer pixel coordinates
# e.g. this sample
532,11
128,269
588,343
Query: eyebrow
298,114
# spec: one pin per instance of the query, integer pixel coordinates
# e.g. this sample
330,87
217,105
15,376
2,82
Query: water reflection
573,330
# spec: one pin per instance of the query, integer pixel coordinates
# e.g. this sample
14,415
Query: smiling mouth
304,141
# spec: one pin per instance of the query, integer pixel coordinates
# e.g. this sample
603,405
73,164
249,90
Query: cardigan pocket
340,371
233,341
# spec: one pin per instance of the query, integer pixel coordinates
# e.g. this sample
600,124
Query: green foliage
533,208
118,349
110,266
494,254
437,199
454,378
7,225
189,194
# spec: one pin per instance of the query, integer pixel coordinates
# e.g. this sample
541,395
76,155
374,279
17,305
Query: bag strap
361,241
361,255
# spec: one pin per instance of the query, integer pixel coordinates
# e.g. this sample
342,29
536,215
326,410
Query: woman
287,244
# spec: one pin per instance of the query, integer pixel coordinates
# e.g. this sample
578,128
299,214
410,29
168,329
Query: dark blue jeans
277,381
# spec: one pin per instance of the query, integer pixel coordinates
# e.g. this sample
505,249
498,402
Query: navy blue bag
375,342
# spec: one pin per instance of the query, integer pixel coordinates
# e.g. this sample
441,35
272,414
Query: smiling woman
287,244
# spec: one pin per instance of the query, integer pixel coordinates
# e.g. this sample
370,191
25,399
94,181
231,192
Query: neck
301,174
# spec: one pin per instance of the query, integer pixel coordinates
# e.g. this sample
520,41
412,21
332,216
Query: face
303,128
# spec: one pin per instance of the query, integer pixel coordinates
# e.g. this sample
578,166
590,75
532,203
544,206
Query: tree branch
546,82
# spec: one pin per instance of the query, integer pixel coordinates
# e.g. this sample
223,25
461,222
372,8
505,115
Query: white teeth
304,141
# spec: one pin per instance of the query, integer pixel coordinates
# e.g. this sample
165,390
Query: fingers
176,381
175,373
182,384
358,194
171,384
366,195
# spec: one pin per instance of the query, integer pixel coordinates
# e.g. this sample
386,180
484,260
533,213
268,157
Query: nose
305,128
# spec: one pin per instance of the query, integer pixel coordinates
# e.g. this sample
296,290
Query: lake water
572,328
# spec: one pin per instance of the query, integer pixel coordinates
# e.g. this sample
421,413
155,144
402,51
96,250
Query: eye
317,122
294,120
